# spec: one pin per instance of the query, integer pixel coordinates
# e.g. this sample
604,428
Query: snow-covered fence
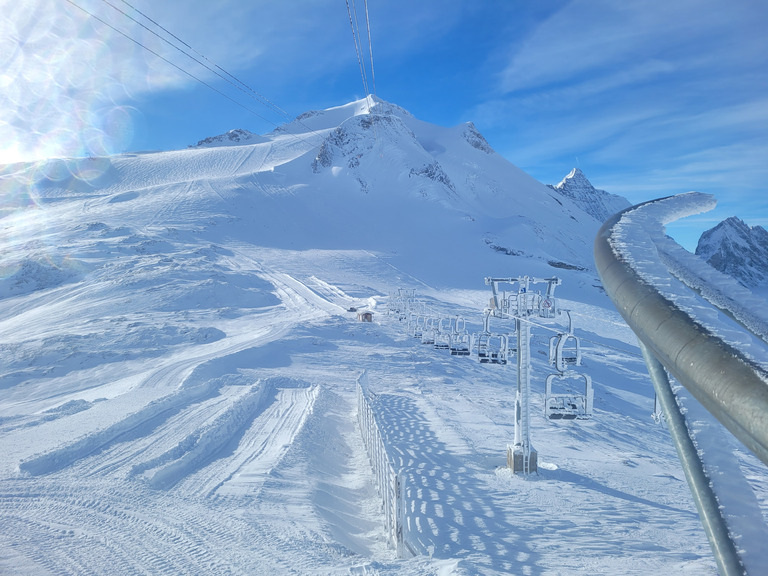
389,481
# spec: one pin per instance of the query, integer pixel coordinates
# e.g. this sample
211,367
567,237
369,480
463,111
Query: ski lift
428,330
415,325
523,301
443,329
459,339
565,348
567,403
491,348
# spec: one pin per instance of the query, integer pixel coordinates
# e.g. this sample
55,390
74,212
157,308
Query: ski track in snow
259,449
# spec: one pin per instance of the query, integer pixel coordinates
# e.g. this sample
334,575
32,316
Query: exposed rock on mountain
236,136
736,249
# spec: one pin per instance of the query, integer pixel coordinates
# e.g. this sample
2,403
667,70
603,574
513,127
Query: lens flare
63,77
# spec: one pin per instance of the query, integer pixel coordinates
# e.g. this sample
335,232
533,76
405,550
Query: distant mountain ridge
736,249
236,136
599,204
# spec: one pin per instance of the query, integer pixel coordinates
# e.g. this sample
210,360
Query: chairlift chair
459,339
547,307
567,403
460,343
491,348
428,331
397,304
443,331
565,348
564,351
416,325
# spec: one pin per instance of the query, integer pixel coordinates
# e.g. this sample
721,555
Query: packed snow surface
180,353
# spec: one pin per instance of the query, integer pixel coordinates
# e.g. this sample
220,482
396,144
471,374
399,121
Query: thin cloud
598,38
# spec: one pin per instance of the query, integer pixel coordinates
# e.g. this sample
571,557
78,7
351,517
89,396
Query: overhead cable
243,87
358,46
179,68
370,46
260,97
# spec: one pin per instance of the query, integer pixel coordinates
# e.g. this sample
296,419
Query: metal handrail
729,385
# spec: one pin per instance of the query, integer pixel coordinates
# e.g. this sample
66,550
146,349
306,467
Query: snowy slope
177,386
738,250
597,203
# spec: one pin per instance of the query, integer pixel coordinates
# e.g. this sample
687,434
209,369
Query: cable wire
260,97
190,56
179,68
370,46
358,47
243,87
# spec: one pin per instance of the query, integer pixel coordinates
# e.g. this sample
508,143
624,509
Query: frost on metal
639,239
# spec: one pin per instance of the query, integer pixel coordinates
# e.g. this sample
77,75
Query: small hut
365,316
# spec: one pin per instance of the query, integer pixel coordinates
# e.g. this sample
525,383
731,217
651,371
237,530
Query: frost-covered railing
722,362
388,481
724,369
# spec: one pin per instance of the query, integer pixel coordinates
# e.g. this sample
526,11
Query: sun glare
62,90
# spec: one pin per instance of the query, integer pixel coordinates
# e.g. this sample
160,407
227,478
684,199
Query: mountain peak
599,204
736,223
736,249
331,118
575,176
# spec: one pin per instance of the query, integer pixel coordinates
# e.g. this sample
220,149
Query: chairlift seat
567,403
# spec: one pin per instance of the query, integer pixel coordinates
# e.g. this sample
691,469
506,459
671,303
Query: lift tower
520,305
521,457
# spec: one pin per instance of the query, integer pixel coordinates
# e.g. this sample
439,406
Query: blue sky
649,98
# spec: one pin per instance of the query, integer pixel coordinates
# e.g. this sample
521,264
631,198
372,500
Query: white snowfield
179,357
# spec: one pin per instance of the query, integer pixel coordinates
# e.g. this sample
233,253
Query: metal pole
523,458
723,548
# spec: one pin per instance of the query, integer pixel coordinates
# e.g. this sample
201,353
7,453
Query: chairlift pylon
524,301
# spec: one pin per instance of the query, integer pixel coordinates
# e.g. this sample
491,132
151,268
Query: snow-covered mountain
179,351
379,169
736,249
599,204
